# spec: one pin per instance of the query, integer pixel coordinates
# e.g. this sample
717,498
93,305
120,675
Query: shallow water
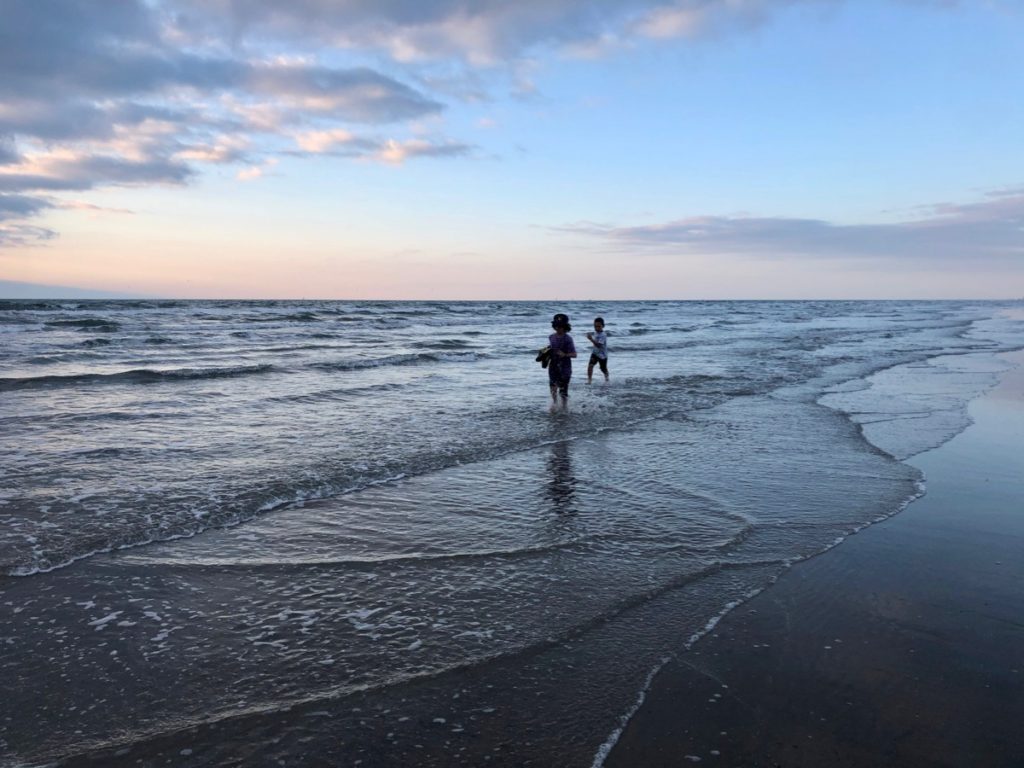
381,516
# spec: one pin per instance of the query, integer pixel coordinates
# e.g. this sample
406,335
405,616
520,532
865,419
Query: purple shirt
561,344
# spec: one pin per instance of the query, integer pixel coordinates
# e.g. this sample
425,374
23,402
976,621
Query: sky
536,149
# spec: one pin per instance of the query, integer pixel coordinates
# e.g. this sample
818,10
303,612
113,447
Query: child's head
598,324
560,323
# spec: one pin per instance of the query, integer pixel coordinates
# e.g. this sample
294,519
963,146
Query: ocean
341,532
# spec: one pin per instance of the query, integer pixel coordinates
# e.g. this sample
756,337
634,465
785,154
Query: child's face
598,326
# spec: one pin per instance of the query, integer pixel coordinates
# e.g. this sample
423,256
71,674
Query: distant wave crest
136,376
417,358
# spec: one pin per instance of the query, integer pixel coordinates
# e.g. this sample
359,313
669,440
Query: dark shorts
559,377
603,362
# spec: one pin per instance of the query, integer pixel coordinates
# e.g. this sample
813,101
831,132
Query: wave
417,358
335,394
41,305
297,317
75,418
86,324
726,323
136,376
154,376
368,563
414,312
443,344
629,346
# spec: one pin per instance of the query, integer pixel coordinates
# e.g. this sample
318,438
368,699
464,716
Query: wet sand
903,646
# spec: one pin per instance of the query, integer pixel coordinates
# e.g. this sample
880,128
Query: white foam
606,748
102,622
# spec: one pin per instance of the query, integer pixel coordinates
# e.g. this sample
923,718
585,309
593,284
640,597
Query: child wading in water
599,354
562,352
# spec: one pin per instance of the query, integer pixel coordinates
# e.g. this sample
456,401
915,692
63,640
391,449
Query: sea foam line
605,749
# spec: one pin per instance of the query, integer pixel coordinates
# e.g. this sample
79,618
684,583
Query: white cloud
91,209
397,152
253,172
224,149
665,23
322,141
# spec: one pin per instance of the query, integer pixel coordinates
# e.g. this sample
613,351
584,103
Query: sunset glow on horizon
551,149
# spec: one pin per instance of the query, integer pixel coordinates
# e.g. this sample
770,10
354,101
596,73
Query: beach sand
903,646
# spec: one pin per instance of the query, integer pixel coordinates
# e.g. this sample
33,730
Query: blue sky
555,149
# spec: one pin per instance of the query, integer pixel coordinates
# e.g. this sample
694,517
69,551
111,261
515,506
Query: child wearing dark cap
563,350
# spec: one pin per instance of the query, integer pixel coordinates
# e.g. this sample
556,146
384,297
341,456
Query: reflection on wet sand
561,486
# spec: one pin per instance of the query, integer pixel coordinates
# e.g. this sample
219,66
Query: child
599,355
563,350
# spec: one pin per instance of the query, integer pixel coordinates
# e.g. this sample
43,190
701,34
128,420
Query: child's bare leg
590,373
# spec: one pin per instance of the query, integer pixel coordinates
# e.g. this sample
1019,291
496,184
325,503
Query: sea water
291,532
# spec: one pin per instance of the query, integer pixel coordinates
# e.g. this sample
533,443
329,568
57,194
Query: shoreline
903,646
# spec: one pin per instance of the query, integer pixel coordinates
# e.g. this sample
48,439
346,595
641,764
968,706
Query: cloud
8,154
989,230
337,141
68,170
15,208
355,95
393,151
20,206
706,19
114,94
254,172
224,149
481,32
398,152
59,119
318,142
14,289
95,94
90,208
80,55
21,235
